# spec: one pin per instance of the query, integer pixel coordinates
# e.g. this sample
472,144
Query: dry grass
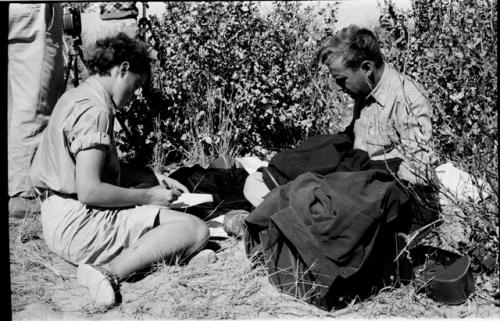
226,289
44,286
32,270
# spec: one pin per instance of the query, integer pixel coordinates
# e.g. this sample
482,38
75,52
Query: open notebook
191,199
187,200
216,227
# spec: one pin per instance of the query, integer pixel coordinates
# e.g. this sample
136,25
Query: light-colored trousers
35,82
255,189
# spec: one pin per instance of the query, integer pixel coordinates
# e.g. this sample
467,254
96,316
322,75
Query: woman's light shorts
81,234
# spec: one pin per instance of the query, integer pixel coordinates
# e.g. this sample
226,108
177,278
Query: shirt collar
382,91
101,93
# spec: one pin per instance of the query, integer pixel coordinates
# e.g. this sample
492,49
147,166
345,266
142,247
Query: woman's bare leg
177,237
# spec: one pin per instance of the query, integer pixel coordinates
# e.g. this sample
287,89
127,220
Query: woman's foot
103,287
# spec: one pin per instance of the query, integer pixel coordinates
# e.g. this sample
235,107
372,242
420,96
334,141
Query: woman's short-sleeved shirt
83,118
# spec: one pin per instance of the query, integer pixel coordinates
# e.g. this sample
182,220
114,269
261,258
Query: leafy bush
230,80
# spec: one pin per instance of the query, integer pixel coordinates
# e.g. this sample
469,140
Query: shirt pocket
379,133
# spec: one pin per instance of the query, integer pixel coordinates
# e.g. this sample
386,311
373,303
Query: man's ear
124,67
368,68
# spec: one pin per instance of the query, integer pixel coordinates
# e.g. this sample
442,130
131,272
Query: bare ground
44,287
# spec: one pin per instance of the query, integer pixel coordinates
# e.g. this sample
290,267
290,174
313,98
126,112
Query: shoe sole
100,289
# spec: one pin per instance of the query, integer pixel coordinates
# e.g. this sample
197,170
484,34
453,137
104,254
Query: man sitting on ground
391,117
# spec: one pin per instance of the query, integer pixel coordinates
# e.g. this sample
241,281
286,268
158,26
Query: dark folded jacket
331,222
322,154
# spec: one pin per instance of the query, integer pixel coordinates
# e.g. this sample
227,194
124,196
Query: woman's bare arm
92,191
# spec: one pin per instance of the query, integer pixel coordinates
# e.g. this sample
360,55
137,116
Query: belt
48,193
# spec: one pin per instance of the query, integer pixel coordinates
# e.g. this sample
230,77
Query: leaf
457,97
207,140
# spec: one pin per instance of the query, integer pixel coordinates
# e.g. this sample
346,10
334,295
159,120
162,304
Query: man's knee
255,189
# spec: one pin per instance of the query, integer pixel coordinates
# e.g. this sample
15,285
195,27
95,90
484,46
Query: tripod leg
76,79
80,54
66,76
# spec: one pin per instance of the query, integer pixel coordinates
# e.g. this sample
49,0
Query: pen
176,191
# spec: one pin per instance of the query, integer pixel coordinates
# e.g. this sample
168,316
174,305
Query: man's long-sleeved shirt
394,120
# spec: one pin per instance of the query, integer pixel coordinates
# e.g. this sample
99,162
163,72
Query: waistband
48,193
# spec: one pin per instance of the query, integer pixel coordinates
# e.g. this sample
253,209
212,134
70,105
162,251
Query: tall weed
452,52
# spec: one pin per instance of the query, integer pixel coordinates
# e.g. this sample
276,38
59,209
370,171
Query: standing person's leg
35,82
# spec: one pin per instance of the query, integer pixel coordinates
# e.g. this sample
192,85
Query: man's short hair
355,45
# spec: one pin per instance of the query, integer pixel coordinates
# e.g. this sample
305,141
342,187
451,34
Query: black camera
72,22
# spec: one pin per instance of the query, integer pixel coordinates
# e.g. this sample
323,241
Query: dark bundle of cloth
332,229
325,154
327,230
322,154
225,185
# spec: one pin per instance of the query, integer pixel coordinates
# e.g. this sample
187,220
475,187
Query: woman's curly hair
112,51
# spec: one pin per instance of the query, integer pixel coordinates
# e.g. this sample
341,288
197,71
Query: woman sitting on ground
87,217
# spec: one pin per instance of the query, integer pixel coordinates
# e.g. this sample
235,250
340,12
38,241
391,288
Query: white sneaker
103,287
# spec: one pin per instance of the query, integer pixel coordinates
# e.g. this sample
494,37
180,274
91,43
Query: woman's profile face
126,84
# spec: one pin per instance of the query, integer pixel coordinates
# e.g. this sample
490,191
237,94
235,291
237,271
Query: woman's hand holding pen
167,192
162,196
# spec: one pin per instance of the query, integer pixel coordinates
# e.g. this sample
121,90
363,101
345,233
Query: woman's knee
189,225
199,228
